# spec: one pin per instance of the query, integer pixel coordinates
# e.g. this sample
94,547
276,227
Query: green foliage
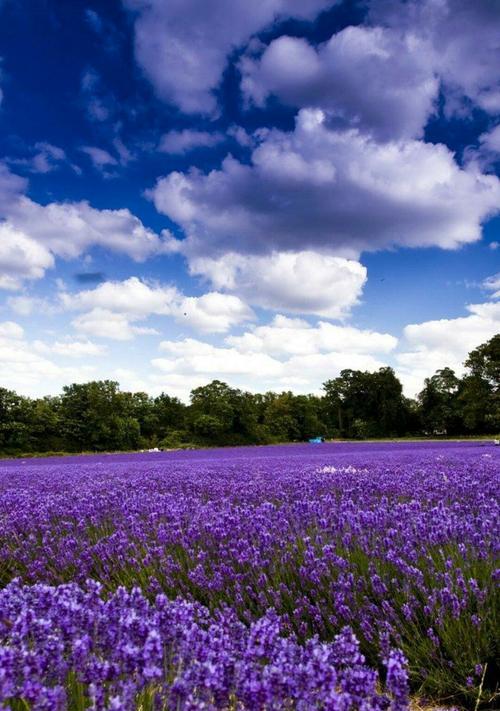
439,401
362,404
480,394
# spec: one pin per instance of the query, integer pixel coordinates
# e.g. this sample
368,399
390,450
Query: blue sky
263,193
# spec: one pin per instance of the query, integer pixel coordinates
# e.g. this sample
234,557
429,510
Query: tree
480,394
215,399
280,417
169,413
364,404
94,416
15,421
439,403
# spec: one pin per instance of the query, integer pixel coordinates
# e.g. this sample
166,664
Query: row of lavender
72,648
397,544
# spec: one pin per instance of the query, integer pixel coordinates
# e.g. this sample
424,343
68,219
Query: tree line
98,416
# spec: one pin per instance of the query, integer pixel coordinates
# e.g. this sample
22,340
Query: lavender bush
261,578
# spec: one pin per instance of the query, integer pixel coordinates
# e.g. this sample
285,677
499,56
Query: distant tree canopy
98,416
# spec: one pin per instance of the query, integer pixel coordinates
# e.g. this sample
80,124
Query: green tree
94,416
215,399
15,421
280,417
363,404
480,393
439,403
170,414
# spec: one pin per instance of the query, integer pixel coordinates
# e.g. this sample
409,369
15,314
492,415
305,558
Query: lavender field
336,576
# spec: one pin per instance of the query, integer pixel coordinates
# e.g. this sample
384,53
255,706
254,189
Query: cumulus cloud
191,362
463,41
116,326
113,309
487,153
193,356
24,369
292,336
369,77
339,192
182,45
179,142
21,257
25,305
212,312
431,345
33,235
285,353
299,282
69,229
11,186
491,139
131,296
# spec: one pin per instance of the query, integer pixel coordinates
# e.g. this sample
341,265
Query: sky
264,193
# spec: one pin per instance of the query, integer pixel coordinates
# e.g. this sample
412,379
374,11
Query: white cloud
487,152
104,323
240,136
71,348
463,38
131,382
458,335
131,296
113,309
191,362
298,282
491,139
10,329
99,157
193,356
445,342
286,353
33,235
182,45
339,192
286,336
11,186
123,152
213,312
47,157
179,142
21,257
25,305
492,283
67,230
25,370
368,77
